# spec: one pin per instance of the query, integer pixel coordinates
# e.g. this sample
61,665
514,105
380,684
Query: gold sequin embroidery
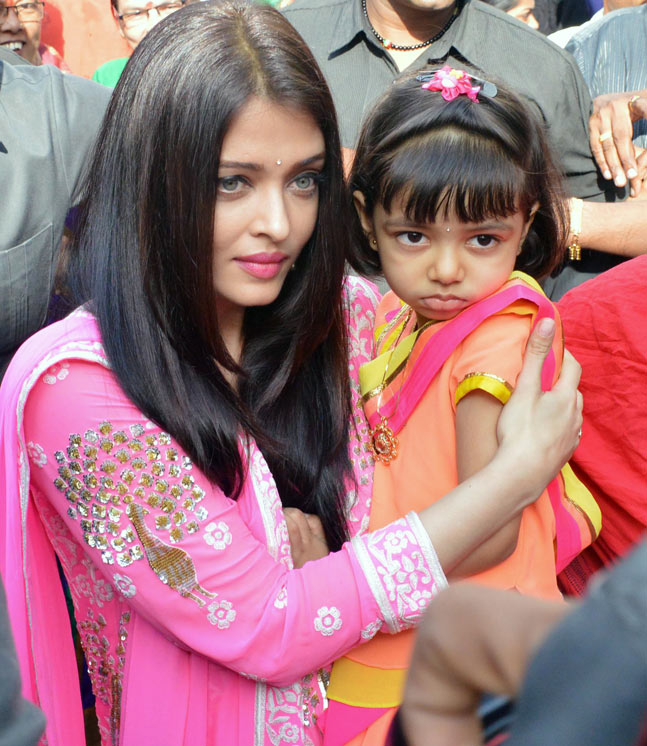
137,465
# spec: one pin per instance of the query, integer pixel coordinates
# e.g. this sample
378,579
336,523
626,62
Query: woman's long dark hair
144,257
481,159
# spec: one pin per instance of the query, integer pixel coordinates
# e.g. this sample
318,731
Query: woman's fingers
307,537
569,378
539,345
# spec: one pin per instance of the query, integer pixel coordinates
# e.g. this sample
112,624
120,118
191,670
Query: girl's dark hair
144,257
479,159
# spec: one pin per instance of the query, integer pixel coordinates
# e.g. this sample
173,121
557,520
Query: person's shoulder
51,82
109,73
321,8
497,28
76,336
359,292
616,24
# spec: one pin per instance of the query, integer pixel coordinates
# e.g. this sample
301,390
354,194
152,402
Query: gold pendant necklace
384,442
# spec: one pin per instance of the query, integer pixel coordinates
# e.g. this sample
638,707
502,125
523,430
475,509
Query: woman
148,433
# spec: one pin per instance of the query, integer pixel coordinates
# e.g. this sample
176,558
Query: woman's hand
307,538
538,431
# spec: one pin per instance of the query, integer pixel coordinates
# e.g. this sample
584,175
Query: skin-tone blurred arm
616,156
616,228
536,429
471,640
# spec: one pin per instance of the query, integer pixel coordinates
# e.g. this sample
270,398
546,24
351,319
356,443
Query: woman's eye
411,238
229,184
484,241
306,182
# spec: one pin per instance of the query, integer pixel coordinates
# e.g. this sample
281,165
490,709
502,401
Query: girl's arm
537,433
476,444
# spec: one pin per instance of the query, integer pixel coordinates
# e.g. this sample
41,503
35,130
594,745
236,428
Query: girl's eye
230,184
411,238
484,241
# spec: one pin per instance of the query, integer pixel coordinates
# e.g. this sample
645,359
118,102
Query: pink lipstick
264,265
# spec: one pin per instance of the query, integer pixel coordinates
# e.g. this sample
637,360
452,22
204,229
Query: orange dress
419,398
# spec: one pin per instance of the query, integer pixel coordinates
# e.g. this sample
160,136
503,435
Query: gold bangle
575,248
631,102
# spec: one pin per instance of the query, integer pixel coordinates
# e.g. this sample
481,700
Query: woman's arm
124,503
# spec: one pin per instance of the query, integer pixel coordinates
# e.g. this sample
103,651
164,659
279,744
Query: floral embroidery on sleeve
402,570
57,372
36,454
124,585
328,620
218,535
221,614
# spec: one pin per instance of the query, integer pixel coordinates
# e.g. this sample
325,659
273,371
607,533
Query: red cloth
605,327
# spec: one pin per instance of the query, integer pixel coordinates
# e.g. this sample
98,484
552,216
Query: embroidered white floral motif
98,590
281,601
36,454
328,620
420,599
284,714
269,502
369,632
124,585
398,572
57,372
395,542
221,614
218,535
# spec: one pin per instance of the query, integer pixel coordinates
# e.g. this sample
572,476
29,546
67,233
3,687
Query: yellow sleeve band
499,388
581,498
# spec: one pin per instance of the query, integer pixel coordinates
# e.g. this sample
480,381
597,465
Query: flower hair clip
452,83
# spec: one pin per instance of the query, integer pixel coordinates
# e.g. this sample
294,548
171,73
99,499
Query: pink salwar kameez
196,627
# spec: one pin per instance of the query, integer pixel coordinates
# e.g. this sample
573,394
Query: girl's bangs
451,173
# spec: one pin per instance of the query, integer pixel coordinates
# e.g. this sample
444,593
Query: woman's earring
373,242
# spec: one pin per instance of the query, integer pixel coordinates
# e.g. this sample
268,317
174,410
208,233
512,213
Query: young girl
458,199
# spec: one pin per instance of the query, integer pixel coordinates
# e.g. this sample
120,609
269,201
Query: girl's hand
538,431
307,538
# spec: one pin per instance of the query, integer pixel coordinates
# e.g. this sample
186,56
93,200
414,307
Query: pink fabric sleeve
195,563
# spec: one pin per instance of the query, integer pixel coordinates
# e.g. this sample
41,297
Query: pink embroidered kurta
196,627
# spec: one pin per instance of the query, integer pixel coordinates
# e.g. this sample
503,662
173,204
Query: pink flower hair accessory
452,83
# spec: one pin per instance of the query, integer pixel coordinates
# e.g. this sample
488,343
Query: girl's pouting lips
444,303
